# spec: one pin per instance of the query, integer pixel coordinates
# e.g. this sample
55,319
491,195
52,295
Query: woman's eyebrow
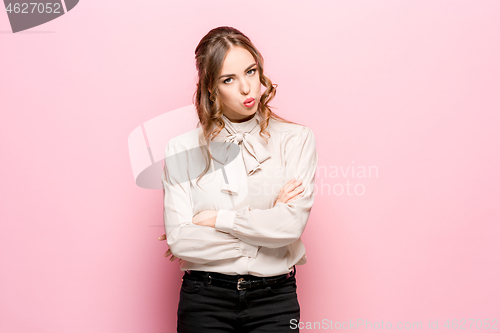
220,77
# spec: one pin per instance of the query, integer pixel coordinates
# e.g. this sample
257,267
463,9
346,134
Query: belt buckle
238,286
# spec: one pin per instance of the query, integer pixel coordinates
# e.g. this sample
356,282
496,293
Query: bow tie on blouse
252,151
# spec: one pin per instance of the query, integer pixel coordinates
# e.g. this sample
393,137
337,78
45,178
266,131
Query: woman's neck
242,119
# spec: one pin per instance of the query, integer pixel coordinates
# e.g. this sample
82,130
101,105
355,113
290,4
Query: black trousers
209,308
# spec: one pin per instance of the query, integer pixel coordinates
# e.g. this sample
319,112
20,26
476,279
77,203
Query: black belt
239,282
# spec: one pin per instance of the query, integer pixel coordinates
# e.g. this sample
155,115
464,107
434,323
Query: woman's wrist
206,218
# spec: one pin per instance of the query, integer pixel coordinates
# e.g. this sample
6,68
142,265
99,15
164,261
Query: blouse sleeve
284,223
189,241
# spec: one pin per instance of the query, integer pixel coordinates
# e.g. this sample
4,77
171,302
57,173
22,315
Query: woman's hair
210,54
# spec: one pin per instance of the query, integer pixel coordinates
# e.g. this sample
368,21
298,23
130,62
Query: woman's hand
290,191
172,258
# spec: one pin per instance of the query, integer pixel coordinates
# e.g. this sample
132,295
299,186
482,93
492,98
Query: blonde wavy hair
210,54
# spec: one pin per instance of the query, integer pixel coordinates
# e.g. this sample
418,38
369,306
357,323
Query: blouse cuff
225,220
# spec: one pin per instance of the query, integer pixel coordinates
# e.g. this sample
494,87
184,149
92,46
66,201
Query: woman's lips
249,102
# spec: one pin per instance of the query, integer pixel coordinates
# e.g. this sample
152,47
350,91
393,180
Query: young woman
238,192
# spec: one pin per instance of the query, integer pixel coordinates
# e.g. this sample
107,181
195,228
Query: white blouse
251,236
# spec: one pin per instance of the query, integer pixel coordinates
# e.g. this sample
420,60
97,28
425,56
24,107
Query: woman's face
239,85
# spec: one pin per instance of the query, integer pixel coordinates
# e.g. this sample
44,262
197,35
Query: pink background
407,87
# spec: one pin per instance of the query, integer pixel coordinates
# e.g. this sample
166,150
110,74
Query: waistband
238,282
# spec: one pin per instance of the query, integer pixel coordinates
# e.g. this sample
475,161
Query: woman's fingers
298,190
289,191
297,195
291,185
169,253
293,190
172,258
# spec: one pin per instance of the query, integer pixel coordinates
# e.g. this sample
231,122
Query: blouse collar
235,138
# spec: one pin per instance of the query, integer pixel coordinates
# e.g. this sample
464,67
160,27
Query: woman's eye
229,78
252,71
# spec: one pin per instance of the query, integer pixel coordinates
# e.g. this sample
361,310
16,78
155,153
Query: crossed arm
207,218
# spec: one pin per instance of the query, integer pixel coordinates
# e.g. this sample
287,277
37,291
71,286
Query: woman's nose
245,87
